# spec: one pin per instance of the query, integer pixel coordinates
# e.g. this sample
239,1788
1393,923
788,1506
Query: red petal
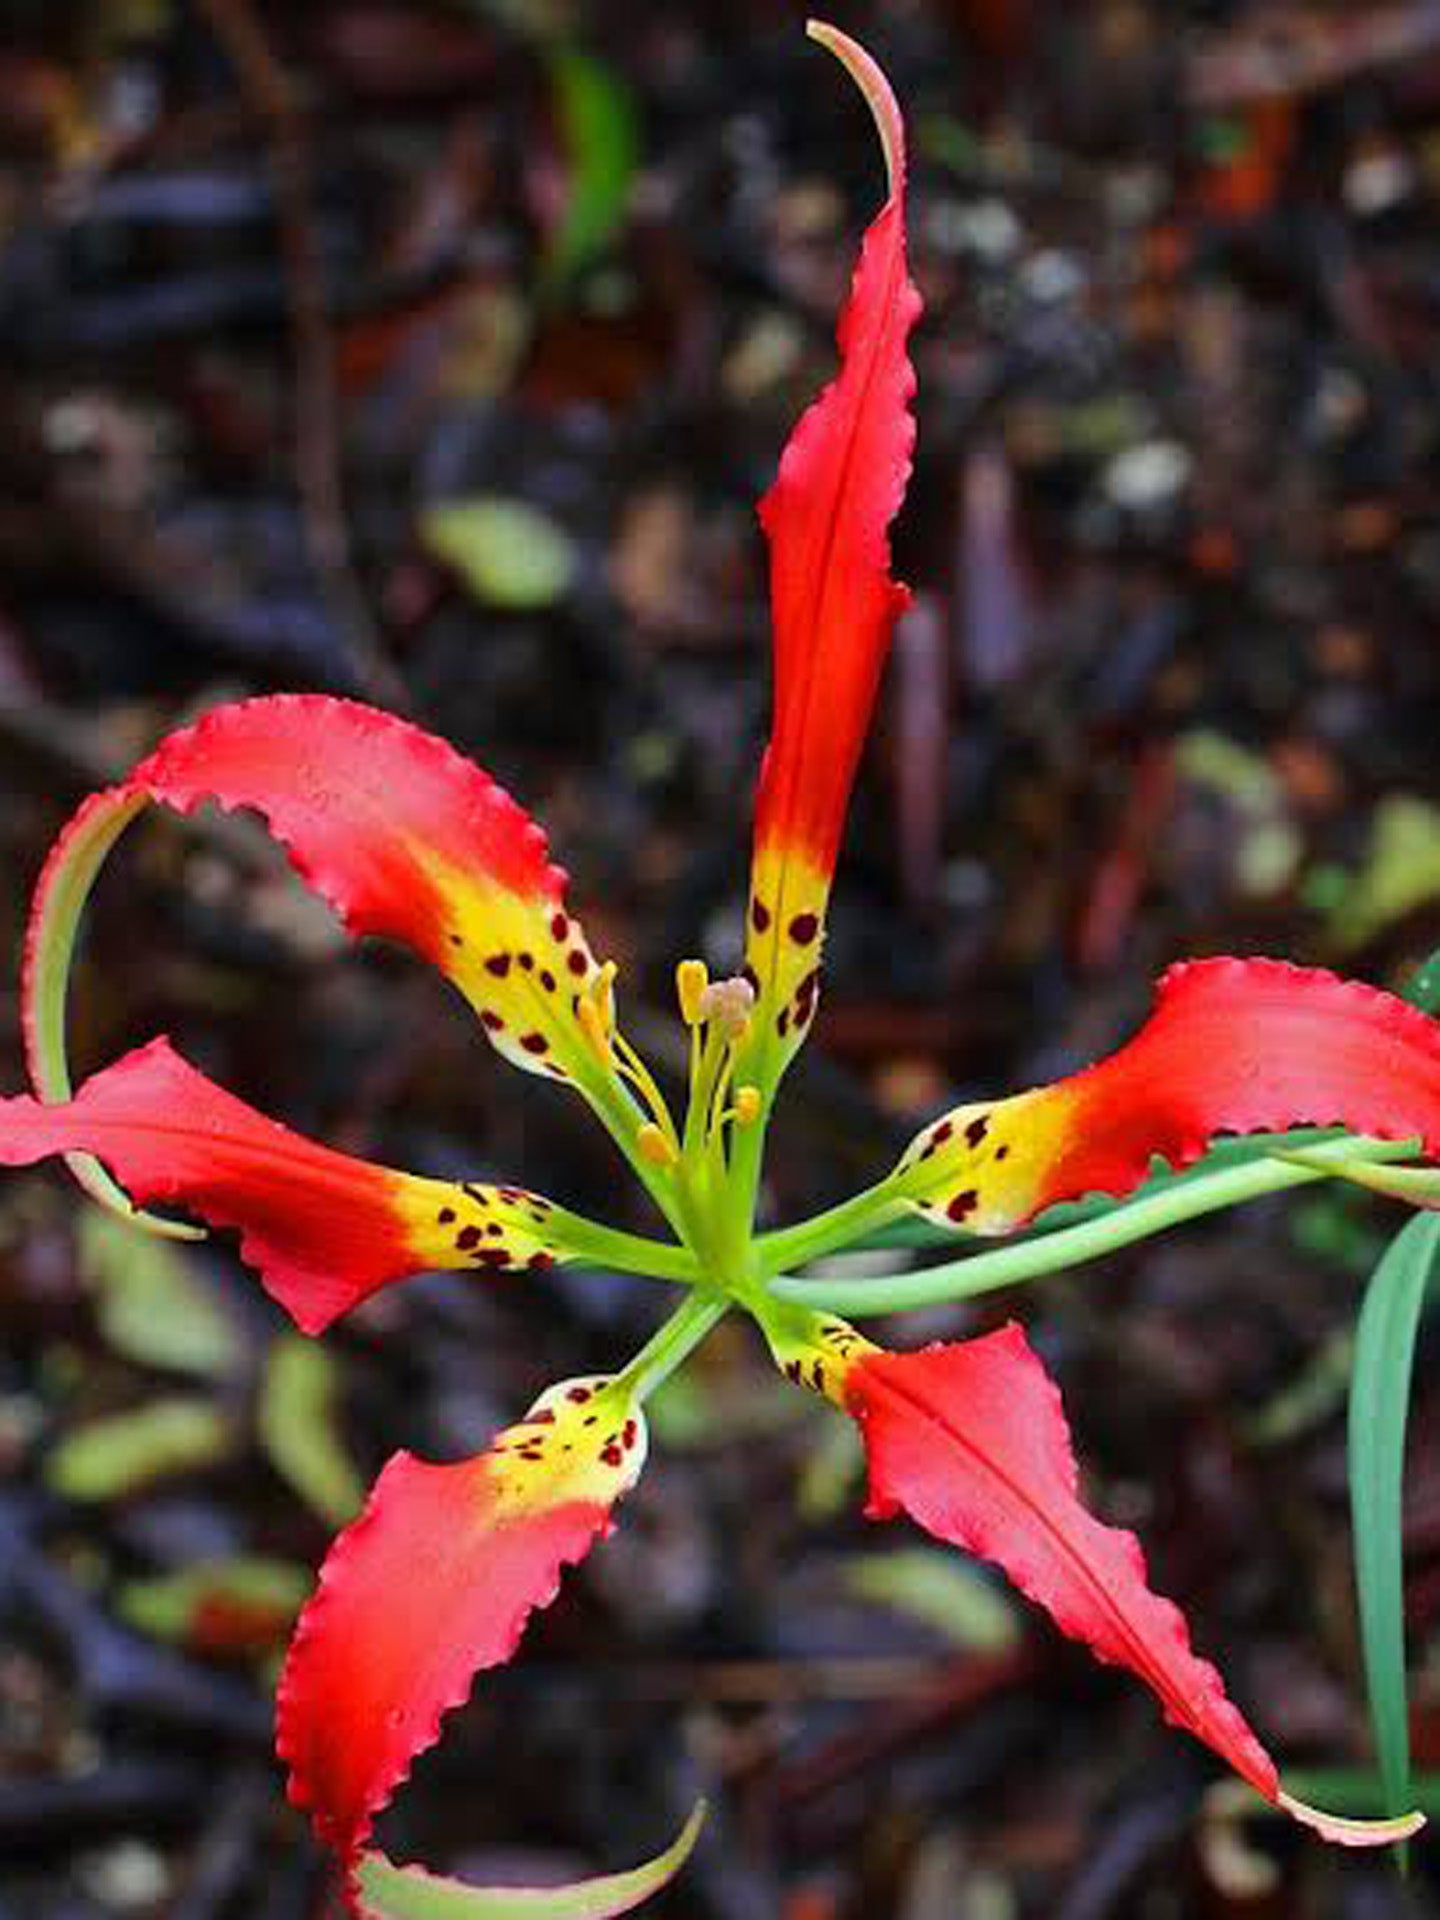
360,801
841,480
322,1229
401,834
1233,1046
434,1582
971,1442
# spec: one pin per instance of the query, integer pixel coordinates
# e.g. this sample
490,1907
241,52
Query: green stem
839,1226
1069,1246
747,1154
672,1343
625,1252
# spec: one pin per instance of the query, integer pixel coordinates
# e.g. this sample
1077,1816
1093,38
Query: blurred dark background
437,353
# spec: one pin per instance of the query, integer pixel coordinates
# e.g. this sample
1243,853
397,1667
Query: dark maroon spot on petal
445,1216
942,1133
803,928
1002,1152
611,1455
457,939
630,1435
759,915
817,1376
782,1023
544,1418
578,1394
495,1231
467,1238
577,963
492,1020
803,1004
977,1130
498,964
793,1371
559,926
538,1262
963,1203
492,1257
750,977
547,980
534,1043
527,961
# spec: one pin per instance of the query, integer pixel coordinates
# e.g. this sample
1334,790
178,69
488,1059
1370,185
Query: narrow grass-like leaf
1379,1406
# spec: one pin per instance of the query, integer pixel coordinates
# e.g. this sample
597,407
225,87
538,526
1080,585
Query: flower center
694,1161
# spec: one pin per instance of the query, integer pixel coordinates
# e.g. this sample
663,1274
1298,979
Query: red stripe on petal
433,1583
1232,1046
971,1441
322,1229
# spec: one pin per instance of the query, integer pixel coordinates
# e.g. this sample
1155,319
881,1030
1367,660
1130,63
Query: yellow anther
747,1105
655,1147
593,1026
603,992
692,977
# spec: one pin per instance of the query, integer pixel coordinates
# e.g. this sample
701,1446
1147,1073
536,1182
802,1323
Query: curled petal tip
381,1891
868,75
1343,1831
834,604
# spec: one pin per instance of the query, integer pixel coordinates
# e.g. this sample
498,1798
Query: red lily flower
407,840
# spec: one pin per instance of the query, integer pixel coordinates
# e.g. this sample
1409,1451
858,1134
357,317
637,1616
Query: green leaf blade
601,133
1379,1409
509,554
298,1421
119,1454
151,1304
